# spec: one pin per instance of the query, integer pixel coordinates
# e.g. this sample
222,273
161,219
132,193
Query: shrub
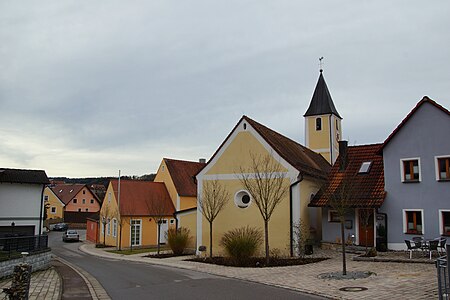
241,243
178,239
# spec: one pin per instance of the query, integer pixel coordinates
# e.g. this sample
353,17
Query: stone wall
38,261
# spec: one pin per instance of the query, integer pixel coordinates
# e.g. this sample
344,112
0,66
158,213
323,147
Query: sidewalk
391,280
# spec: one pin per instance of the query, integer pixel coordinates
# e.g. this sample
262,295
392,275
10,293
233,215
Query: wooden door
366,228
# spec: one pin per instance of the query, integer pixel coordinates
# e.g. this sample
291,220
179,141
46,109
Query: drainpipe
41,216
291,221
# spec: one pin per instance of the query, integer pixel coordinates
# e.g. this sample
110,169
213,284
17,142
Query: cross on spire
320,64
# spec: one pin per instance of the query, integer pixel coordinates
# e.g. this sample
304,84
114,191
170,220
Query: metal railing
443,275
12,246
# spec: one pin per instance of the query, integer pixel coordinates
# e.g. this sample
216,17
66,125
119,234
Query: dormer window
318,124
365,167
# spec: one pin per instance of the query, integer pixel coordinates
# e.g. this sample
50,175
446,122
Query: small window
410,170
413,221
84,192
70,191
114,227
87,209
45,198
172,221
443,168
53,210
162,168
79,210
84,201
242,199
333,217
92,201
245,126
365,166
74,201
445,217
318,124
109,197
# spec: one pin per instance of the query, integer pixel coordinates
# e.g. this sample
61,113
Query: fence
443,275
11,247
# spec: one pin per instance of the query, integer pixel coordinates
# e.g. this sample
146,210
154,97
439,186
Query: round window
242,199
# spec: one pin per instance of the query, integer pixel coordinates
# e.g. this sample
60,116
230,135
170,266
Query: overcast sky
91,87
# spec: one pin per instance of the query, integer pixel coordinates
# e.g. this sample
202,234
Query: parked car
71,235
60,227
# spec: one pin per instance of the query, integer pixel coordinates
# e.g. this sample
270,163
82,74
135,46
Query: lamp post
12,228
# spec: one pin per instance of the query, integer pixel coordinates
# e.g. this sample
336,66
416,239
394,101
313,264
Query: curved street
135,280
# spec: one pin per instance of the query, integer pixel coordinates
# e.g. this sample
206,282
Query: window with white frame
135,235
53,210
103,228
410,169
45,198
443,168
413,221
444,222
84,201
114,227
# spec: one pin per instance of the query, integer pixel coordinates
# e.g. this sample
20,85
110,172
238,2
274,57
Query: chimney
202,160
343,145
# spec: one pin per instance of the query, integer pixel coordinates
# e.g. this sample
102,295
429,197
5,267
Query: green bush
178,239
242,243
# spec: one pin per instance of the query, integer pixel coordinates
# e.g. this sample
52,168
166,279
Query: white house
21,201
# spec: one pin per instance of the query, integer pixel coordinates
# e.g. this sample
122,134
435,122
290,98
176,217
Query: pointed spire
321,102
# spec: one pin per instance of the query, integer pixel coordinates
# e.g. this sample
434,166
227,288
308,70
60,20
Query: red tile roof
66,192
306,161
367,188
143,198
183,173
424,100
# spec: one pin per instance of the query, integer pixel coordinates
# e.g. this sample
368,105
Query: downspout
331,141
291,221
41,216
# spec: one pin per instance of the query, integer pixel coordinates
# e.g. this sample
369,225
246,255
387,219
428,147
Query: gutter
291,221
41,216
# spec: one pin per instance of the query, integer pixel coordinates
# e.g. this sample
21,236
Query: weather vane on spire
321,64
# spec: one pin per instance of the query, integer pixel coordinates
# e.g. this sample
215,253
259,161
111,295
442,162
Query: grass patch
139,250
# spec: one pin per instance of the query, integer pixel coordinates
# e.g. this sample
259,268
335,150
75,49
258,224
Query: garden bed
165,255
258,262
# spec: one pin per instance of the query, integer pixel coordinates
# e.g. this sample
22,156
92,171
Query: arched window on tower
318,124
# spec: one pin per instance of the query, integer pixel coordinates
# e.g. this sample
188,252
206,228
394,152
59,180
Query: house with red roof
179,178
131,211
396,190
355,186
70,198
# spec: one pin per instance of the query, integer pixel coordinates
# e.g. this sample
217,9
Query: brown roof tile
183,173
367,188
23,176
303,159
143,198
66,192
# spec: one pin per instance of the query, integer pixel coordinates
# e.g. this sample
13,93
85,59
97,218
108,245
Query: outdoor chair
441,245
411,248
432,246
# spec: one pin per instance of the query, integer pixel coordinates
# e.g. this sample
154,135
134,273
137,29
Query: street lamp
12,227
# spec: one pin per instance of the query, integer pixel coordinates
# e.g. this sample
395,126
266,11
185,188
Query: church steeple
321,102
323,122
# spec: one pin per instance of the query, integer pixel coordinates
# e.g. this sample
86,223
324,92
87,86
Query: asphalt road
132,280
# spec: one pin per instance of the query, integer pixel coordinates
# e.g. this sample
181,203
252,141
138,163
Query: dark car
71,236
61,227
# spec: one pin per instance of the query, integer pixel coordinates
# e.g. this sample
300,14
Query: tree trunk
104,234
344,264
266,241
159,238
210,240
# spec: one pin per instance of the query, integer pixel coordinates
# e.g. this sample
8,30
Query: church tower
323,123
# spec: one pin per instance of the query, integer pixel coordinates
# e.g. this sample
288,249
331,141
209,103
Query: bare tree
339,200
212,201
105,215
159,210
265,181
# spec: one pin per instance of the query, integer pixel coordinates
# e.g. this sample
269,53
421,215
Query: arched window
319,124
